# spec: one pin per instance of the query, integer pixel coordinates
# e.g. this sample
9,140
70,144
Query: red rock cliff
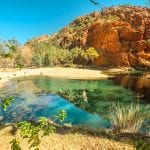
122,42
120,34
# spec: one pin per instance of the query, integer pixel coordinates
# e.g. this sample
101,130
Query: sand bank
70,73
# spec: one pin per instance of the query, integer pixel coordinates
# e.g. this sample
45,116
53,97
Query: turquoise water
47,105
40,97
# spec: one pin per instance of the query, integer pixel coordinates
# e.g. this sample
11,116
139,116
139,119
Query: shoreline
55,72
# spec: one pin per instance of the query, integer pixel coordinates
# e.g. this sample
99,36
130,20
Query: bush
50,55
35,131
37,60
19,61
64,57
47,61
79,56
127,118
6,102
91,54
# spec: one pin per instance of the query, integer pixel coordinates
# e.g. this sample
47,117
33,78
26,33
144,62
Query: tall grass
128,118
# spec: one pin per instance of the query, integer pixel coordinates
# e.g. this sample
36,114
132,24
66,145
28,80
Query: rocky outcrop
118,43
121,35
122,42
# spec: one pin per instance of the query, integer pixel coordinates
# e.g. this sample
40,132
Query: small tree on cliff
91,54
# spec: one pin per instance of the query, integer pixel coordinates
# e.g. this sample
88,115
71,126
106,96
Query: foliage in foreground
15,145
123,118
128,118
36,130
6,102
141,145
33,131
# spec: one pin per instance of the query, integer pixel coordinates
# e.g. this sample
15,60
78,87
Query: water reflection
138,83
35,97
48,105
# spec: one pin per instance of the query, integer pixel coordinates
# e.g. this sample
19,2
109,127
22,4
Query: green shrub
142,145
64,57
15,144
78,54
33,130
50,55
37,60
47,60
6,102
36,130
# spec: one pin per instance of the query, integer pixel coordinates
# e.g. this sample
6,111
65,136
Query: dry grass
128,118
70,141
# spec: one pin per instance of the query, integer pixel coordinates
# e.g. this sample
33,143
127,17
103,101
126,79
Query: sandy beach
70,73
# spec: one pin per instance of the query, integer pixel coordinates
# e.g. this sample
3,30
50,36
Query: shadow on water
139,83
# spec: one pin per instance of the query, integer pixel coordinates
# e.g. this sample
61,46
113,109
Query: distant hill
121,35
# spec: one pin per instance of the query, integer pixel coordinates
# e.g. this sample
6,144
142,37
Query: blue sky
25,19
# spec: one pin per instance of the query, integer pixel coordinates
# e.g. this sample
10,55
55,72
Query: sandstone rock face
121,35
122,42
103,36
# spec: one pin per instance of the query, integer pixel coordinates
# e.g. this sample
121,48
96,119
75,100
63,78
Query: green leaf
61,115
15,144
